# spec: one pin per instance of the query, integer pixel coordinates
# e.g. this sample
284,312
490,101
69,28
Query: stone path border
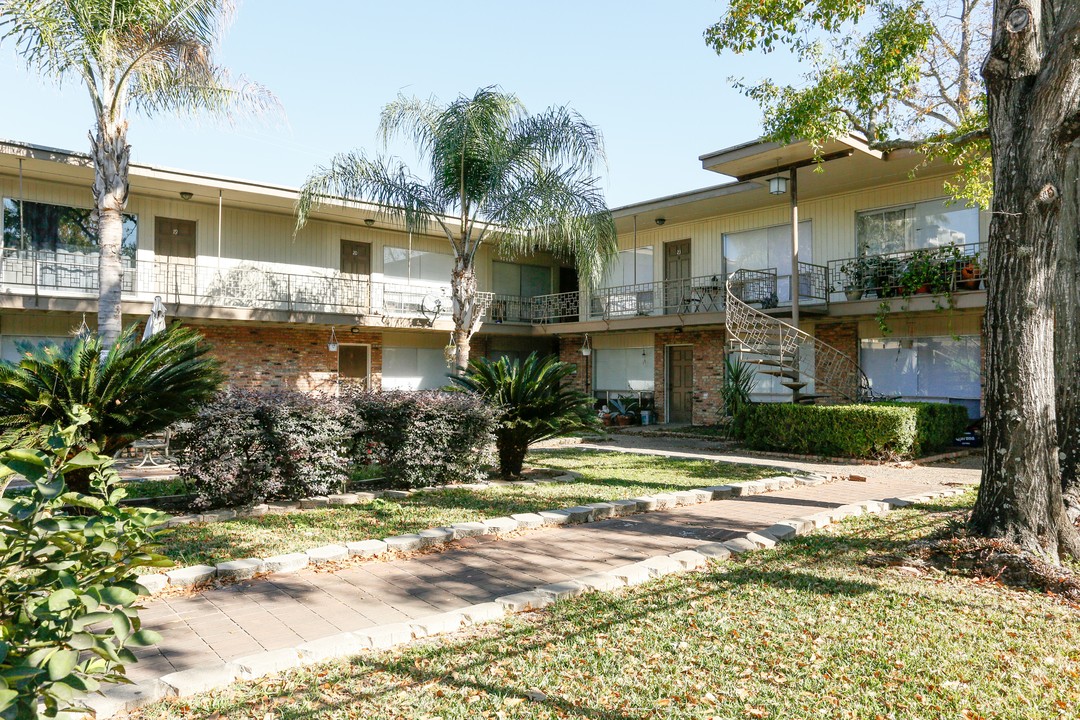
244,568
188,682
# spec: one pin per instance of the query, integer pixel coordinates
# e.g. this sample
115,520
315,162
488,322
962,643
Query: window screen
426,266
413,369
624,369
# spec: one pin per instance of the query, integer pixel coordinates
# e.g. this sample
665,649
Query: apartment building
699,275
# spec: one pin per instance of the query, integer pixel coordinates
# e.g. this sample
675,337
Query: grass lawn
802,631
605,476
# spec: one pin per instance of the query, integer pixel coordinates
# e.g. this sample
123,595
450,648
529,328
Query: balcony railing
941,270
559,307
75,275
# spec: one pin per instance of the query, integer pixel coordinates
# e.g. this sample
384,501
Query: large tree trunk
467,312
1033,96
111,155
1067,337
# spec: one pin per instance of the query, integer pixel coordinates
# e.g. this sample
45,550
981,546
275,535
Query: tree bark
467,313
1030,98
1067,334
111,155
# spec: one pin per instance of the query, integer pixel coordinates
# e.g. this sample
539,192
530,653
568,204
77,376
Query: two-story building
887,270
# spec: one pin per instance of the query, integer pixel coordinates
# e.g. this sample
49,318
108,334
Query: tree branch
959,140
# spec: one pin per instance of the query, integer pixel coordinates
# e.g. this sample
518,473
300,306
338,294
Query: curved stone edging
124,698
243,568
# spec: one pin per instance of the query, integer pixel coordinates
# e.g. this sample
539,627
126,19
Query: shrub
422,438
880,430
138,388
68,596
533,400
248,446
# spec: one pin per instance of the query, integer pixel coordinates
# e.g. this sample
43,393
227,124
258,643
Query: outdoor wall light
586,347
332,346
369,222
186,195
660,221
777,185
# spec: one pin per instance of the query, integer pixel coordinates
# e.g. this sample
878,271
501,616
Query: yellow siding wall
934,325
832,218
257,237
614,341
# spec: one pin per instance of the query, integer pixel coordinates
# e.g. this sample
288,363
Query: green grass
605,476
803,631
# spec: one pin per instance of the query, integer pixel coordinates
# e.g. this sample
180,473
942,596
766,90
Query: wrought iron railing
834,373
558,307
238,286
940,270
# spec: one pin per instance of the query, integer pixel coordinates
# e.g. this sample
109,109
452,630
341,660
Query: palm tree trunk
111,155
467,314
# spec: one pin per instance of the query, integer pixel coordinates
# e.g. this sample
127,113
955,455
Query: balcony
690,296
942,270
74,276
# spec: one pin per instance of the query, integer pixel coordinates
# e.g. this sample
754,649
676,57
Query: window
622,271
624,370
520,280
406,368
942,369
47,227
922,225
425,266
769,248
353,365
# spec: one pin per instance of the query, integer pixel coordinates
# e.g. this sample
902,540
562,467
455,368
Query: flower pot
970,277
853,293
606,419
623,420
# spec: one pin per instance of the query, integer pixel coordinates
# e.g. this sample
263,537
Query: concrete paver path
279,611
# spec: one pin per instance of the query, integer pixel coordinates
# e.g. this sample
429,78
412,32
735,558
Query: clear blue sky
640,71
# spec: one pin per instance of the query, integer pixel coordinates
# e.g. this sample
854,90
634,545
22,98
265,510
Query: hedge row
877,431
249,446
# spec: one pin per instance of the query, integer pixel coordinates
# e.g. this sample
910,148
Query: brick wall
844,336
293,357
570,352
708,368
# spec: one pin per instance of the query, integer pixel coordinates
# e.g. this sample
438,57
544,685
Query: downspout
794,248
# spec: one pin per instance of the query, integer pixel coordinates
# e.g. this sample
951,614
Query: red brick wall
708,371
293,357
844,336
570,352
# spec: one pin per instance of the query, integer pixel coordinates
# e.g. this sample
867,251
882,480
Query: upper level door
677,276
174,239
355,257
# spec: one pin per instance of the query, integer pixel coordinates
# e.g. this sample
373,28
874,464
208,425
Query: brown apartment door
677,275
355,257
680,383
354,365
174,250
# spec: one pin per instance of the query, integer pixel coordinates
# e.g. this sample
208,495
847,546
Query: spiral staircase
782,350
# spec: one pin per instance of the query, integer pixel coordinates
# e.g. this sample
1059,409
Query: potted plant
857,272
970,272
621,411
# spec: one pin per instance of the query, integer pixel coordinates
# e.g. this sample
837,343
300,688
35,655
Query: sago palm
522,182
535,403
147,55
132,390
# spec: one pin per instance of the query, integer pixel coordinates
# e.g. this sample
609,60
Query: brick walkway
282,611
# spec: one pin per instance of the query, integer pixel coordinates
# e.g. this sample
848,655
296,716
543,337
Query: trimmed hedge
877,431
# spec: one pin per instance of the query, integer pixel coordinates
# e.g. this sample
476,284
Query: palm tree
150,55
523,182
534,402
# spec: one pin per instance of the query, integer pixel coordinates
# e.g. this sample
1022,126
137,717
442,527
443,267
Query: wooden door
355,258
680,383
677,276
174,239
353,365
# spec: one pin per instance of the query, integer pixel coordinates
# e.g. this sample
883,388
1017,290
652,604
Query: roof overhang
761,155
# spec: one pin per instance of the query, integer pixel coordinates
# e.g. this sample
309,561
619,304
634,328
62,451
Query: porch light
332,346
778,185
586,347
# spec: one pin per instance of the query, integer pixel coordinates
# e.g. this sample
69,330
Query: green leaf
144,638
115,595
62,663
121,625
62,600
84,459
8,698
30,471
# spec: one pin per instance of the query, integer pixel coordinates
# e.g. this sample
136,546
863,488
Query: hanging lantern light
586,347
778,185
332,346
